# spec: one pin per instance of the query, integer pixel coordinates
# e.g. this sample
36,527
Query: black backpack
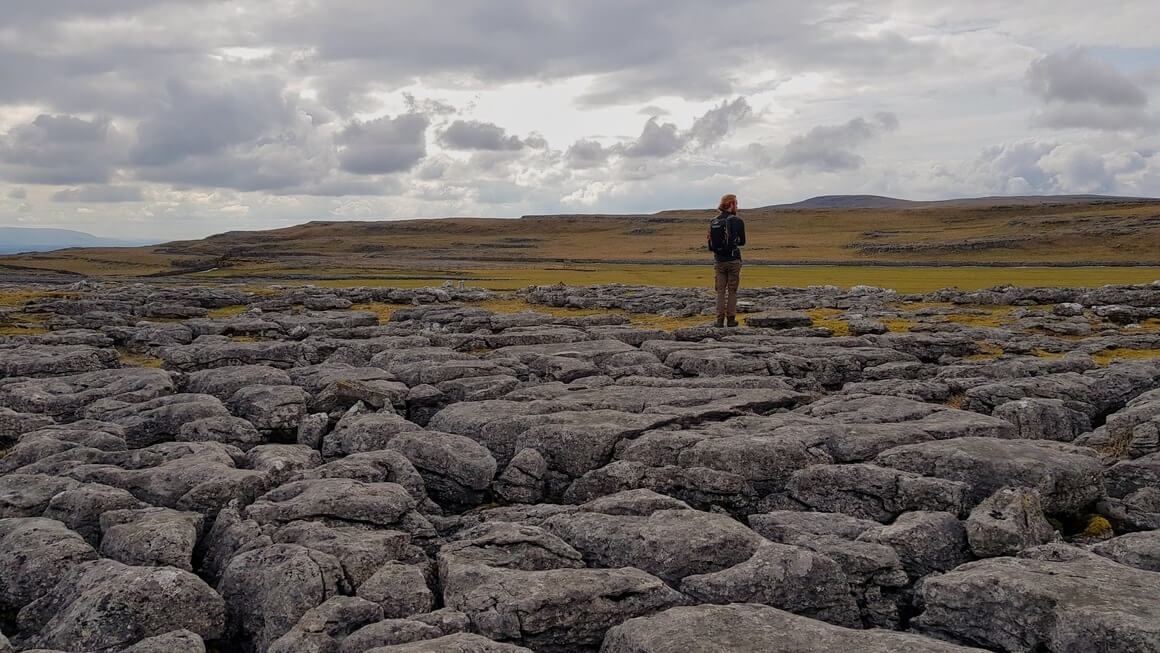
721,239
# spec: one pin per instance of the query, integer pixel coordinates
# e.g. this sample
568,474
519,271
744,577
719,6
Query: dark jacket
737,229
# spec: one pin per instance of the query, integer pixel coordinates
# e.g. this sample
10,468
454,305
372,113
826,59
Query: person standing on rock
725,240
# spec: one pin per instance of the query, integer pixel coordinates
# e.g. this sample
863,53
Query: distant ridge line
883,202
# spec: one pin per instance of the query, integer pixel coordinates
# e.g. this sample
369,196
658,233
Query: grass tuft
227,311
823,317
1117,353
988,352
130,359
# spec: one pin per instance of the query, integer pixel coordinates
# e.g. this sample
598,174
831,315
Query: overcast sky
182,118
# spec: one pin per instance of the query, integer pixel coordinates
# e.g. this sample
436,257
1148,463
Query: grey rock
455,468
1067,309
1135,429
1044,419
1007,522
1139,511
358,433
67,397
640,503
217,351
670,544
1067,477
388,633
757,629
1140,550
510,546
28,495
787,525
380,504
282,462
779,320
269,407
765,460
260,605
699,487
312,429
926,541
104,605
783,576
80,509
223,382
385,466
157,537
523,480
1128,476
864,326
233,431
35,554
324,627
360,551
553,609
1054,598
55,360
176,641
874,571
448,621
459,643
873,492
400,589
14,424
157,420
229,536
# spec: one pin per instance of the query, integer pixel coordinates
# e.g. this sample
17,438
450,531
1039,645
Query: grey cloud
637,51
384,145
17,194
536,141
1093,116
428,106
61,150
345,187
499,192
99,194
693,80
1013,168
712,127
653,110
272,165
40,12
199,122
586,154
433,168
1076,77
656,141
474,135
830,148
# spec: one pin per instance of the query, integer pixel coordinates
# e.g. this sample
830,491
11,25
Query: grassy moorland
659,248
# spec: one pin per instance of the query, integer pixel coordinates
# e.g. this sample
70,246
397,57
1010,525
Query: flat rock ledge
297,469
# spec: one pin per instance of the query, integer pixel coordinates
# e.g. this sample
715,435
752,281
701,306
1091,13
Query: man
726,237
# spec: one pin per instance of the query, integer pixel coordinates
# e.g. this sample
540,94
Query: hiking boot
720,322
732,322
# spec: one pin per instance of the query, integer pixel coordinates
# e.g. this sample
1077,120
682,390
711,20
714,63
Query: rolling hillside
1071,230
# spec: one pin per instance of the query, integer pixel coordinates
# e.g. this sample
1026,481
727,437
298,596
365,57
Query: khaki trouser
728,276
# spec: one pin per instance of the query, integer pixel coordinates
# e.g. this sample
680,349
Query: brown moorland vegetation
1058,233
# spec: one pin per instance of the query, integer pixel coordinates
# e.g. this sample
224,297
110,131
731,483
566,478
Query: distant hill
15,240
849,230
822,202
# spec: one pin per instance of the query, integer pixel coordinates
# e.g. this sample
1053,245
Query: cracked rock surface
319,470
